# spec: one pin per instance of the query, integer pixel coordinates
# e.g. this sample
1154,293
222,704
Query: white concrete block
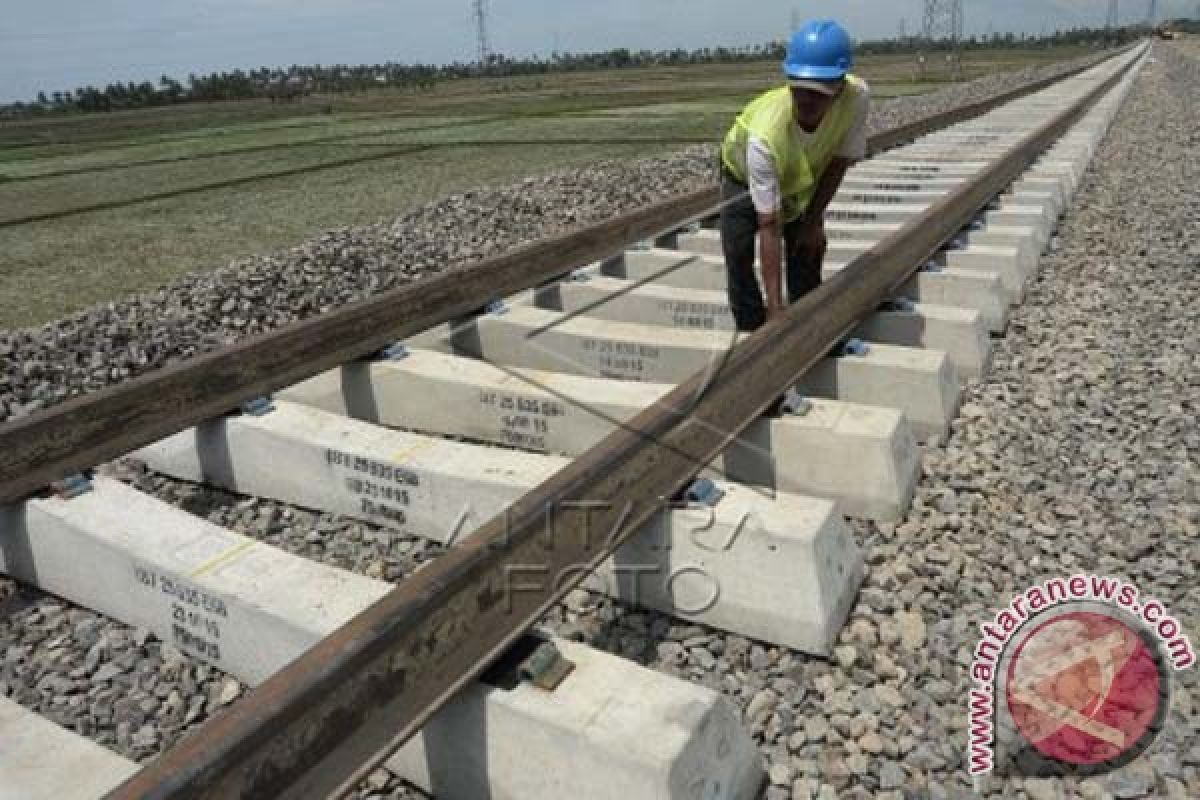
41,761
1051,196
1006,214
226,599
921,383
538,339
1014,265
899,183
179,571
957,332
1025,239
848,195
628,733
1038,217
887,164
973,290
728,566
702,242
864,458
976,290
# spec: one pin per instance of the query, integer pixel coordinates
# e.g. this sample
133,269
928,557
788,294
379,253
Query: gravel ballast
1077,453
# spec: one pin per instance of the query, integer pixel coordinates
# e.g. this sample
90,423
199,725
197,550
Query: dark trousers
739,235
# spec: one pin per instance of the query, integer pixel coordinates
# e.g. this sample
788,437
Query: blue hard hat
820,51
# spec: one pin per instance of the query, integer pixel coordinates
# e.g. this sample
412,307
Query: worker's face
811,107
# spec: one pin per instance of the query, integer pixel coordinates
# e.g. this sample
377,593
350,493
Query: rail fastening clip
703,492
72,486
854,347
258,407
395,352
795,403
545,668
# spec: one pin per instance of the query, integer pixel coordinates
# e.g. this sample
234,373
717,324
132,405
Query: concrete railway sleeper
610,389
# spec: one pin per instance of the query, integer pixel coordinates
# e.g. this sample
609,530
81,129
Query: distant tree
288,84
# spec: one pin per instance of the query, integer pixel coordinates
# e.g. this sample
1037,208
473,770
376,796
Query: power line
481,32
942,23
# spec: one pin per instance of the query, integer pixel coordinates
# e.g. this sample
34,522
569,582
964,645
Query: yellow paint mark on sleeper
408,452
223,558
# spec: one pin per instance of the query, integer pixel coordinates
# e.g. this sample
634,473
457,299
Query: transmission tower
1114,12
795,20
1151,13
481,32
942,23
902,33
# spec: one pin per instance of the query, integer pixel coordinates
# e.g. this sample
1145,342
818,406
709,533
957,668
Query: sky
61,44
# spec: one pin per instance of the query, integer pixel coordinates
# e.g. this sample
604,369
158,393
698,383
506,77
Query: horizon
138,41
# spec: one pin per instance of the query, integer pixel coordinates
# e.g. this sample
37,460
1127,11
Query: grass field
93,207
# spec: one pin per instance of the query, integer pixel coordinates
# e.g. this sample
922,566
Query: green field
94,207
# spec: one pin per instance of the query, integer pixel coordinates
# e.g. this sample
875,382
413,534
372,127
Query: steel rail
334,714
76,435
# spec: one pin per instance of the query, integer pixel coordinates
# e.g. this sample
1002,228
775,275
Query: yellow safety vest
800,158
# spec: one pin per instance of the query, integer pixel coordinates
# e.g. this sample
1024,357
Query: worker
781,164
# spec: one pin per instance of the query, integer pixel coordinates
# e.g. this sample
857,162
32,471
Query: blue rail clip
258,407
853,347
72,486
704,492
394,352
496,307
795,403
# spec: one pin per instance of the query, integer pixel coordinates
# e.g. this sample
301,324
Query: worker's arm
812,236
768,204
770,254
827,187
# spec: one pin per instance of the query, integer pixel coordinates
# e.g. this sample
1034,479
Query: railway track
599,413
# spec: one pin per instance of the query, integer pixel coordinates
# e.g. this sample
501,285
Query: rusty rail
326,720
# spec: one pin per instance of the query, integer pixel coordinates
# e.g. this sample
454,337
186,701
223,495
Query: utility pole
942,23
1112,23
795,19
902,33
1152,14
481,32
